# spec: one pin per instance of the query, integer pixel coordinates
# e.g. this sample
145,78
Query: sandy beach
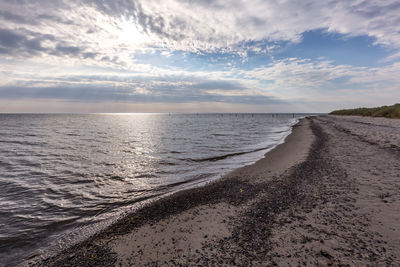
330,195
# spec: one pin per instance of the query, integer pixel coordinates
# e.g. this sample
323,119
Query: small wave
222,157
81,181
279,132
72,134
145,176
25,143
26,162
6,165
168,152
221,134
117,177
72,173
163,162
175,184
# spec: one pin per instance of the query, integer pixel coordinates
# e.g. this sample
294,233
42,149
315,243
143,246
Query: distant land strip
384,111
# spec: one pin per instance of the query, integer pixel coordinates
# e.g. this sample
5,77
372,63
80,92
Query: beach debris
325,254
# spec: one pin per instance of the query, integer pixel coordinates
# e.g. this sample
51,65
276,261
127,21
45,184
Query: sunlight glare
128,33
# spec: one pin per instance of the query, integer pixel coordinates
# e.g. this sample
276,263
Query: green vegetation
384,111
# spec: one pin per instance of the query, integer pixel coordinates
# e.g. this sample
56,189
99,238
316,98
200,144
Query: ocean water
64,176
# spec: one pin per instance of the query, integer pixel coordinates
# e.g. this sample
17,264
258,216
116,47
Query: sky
198,55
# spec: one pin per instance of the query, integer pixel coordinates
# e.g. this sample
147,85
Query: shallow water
60,173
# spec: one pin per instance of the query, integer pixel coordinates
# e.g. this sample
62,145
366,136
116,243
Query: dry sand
357,221
330,195
189,237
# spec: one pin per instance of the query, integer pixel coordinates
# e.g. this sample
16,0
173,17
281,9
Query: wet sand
330,195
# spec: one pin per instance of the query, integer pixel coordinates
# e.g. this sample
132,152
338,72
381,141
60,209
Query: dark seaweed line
393,148
252,235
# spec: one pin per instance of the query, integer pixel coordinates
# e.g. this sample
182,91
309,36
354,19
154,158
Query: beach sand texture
330,195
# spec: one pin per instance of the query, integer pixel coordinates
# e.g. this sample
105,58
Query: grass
384,111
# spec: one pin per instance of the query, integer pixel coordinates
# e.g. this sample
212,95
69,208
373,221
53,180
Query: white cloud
103,29
93,43
290,80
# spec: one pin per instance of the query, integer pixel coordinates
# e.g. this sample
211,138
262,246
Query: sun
127,32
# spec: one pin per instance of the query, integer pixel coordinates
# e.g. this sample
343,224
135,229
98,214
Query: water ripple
62,173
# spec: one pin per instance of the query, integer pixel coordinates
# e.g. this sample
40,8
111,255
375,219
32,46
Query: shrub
384,111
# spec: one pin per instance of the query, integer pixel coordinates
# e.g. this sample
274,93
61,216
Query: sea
64,177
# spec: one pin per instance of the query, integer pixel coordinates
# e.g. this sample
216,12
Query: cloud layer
100,50
90,28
